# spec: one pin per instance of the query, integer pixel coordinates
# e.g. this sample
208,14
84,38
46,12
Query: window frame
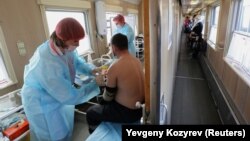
86,29
135,27
11,80
233,29
113,14
212,25
63,5
237,27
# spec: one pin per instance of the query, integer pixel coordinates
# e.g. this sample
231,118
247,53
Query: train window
4,77
131,19
54,11
110,25
243,24
239,47
214,22
7,76
54,16
239,53
234,53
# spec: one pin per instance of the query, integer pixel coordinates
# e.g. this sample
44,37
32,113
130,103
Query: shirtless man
124,87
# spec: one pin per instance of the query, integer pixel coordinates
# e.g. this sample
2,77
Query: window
4,78
235,53
131,19
214,22
55,10
110,25
243,24
239,47
7,75
54,16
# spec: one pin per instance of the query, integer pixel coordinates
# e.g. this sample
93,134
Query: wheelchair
195,43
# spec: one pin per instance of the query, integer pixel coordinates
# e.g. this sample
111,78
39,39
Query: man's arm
111,84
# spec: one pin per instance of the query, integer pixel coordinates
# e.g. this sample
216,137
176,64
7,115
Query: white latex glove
97,71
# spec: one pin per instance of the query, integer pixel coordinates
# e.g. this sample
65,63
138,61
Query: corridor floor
192,101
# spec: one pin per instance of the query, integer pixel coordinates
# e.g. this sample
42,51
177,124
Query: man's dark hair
120,41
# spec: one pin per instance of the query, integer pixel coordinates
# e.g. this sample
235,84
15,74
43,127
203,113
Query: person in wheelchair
196,35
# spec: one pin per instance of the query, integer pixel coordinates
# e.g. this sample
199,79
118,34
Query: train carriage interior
195,56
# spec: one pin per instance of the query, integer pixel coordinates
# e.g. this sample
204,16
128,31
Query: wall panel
241,95
21,21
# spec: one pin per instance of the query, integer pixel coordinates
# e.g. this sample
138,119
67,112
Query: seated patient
124,87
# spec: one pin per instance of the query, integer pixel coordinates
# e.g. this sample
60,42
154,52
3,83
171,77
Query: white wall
163,59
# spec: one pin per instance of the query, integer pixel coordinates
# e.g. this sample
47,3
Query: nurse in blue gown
49,94
125,29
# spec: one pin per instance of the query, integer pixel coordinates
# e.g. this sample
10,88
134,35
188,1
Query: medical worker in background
125,29
49,93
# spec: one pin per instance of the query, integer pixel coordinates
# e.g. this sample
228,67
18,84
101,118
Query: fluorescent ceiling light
194,2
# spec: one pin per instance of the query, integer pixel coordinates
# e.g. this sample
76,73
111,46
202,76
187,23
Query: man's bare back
127,75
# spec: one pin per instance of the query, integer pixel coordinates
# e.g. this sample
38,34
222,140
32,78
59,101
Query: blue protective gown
108,131
128,31
48,96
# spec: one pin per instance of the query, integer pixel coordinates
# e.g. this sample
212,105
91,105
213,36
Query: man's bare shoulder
124,62
113,66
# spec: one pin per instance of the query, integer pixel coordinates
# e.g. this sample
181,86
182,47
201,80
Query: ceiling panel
192,5
133,1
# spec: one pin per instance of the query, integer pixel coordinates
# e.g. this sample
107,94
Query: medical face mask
118,26
71,48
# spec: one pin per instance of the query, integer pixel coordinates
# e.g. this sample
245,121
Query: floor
192,101
80,132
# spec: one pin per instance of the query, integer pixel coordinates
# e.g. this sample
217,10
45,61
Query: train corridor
192,101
